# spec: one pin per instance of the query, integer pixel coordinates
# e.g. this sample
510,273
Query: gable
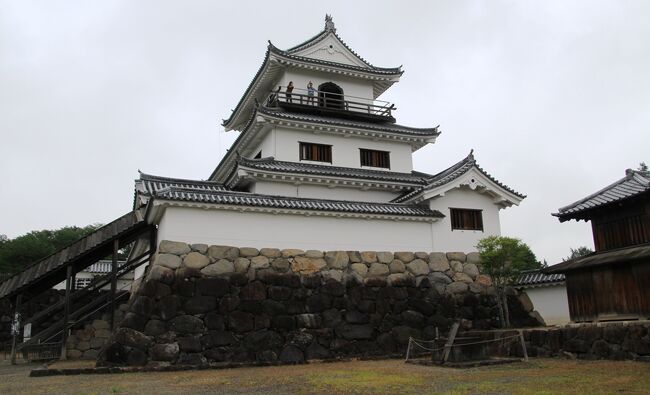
475,180
331,49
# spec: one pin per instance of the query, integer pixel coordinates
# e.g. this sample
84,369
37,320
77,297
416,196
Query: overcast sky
554,96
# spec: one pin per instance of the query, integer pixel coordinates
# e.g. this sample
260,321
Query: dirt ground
539,376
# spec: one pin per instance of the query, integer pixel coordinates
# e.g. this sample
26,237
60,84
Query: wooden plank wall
619,291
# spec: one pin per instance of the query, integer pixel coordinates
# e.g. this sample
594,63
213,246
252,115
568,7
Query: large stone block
143,305
385,257
378,269
462,277
260,262
212,286
314,254
223,252
187,324
170,261
201,248
337,259
359,268
456,256
457,287
164,352
368,256
292,354
217,339
438,262
255,290
271,252
173,247
189,344
355,332
471,270
311,321
248,252
474,258
200,304
222,266
355,256
306,265
397,266
132,338
456,266
418,267
155,328
404,256
291,252
195,260
241,322
160,273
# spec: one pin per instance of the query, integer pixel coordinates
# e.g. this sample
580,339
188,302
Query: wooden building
613,283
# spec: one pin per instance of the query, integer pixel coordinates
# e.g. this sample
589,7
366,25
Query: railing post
66,314
116,247
15,328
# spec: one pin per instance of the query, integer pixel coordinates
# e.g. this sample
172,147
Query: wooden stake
523,345
450,341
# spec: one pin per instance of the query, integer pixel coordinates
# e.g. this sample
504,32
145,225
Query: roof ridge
615,183
151,177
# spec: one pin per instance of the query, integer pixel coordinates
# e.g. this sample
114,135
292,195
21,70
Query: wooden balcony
332,104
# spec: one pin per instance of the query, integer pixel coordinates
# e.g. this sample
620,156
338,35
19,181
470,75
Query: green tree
18,253
578,252
503,259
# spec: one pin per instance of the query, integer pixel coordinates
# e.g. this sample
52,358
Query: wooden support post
66,313
523,345
450,341
116,247
15,328
408,349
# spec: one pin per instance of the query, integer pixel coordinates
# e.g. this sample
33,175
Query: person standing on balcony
289,90
311,92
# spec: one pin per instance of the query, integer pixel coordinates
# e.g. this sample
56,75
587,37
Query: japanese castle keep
313,238
327,169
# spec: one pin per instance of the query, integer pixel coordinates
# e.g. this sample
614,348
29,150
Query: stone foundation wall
86,342
201,304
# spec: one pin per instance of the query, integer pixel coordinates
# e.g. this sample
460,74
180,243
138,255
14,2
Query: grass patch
362,381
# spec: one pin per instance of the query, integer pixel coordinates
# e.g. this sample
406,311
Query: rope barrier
418,342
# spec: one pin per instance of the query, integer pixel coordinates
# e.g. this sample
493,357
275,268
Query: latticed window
375,158
466,219
82,282
316,152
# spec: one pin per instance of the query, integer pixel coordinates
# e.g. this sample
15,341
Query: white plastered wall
283,144
551,303
331,50
355,87
322,192
222,227
446,239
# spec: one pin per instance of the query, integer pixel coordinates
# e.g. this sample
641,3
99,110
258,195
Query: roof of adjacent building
616,257
537,278
232,198
272,165
451,173
634,183
51,270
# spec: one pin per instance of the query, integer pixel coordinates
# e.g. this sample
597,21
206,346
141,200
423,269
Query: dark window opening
316,152
374,158
466,219
258,156
330,95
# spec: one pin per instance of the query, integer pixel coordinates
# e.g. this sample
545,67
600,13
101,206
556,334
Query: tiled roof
368,69
282,202
538,278
618,256
382,127
271,164
452,173
633,184
151,184
103,266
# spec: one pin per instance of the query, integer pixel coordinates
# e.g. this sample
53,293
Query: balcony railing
332,104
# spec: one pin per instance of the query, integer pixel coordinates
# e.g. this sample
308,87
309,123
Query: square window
466,219
316,152
375,158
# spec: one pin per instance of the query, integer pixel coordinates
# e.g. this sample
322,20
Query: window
316,152
466,219
82,282
375,158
